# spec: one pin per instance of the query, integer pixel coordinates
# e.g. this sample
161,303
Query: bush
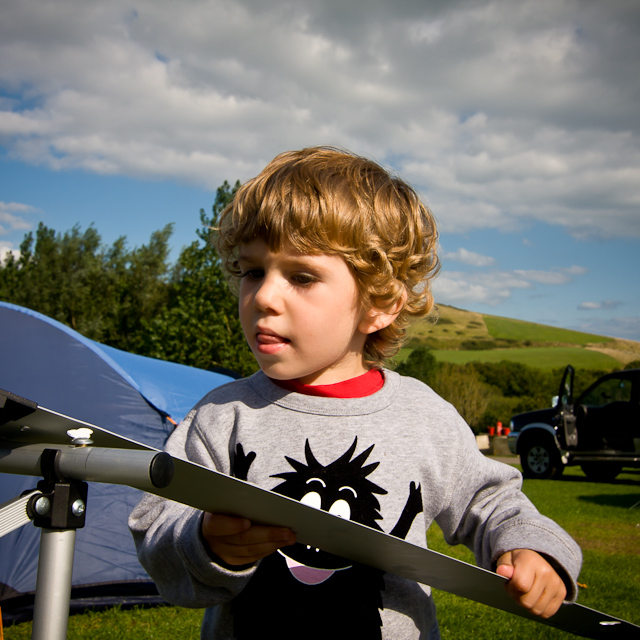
462,387
477,345
421,364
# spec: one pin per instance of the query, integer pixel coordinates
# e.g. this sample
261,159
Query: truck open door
567,432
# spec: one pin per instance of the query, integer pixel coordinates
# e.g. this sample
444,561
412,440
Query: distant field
541,357
507,329
459,336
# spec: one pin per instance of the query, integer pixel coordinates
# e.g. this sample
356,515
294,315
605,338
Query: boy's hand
533,582
236,541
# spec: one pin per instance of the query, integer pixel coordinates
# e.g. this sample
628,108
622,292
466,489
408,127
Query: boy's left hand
533,582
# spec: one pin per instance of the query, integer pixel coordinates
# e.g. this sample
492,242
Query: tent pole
53,584
13,513
58,508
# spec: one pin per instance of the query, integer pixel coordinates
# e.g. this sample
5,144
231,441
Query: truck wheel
541,460
601,471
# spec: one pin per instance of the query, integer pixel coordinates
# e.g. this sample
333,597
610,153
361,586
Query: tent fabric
133,396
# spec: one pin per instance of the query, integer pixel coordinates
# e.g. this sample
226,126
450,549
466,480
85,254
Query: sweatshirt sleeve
172,550
487,511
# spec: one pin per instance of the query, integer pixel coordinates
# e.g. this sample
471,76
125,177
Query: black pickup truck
600,431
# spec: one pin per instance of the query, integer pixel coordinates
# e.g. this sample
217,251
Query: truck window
611,390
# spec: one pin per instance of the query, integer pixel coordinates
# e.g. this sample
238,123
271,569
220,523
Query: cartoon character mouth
307,573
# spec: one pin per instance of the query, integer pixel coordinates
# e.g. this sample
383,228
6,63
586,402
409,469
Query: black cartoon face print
341,488
302,591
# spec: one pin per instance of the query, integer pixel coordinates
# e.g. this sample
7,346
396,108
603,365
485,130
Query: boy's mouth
270,342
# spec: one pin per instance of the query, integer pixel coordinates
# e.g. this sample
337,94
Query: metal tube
142,469
13,514
53,584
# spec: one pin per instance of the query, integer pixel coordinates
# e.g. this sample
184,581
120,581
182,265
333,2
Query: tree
54,274
136,289
421,364
200,326
130,299
103,293
462,387
458,384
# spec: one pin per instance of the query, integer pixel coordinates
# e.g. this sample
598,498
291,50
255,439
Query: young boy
334,257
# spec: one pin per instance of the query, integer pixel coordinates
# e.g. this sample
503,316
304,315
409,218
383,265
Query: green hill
460,336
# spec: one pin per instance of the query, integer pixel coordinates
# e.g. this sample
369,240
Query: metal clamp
61,503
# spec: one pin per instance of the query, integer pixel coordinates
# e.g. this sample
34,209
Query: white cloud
468,257
7,248
454,287
594,306
589,306
10,222
557,276
575,270
493,287
501,113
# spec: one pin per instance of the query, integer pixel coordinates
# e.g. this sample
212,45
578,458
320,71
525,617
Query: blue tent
134,396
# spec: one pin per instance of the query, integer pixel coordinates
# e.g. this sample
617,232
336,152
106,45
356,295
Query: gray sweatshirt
395,461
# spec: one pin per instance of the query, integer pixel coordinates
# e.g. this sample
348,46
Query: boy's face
301,315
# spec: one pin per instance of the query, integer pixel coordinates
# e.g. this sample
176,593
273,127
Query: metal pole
143,469
13,514
53,584
64,494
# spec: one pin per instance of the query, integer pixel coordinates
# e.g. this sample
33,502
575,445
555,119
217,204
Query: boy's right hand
237,541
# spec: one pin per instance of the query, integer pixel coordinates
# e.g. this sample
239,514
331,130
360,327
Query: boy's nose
267,297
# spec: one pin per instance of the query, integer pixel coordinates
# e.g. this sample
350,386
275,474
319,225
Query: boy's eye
303,279
252,274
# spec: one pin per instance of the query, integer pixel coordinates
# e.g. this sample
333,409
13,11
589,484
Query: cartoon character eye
341,508
312,499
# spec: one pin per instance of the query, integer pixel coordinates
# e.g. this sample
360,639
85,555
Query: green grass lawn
599,516
541,357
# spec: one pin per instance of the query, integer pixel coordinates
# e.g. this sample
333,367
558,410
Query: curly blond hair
326,200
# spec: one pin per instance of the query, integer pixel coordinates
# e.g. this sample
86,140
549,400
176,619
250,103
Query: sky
517,122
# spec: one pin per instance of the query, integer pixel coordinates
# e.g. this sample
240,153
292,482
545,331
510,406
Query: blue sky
517,122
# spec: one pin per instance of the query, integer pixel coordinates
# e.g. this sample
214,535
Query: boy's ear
375,319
